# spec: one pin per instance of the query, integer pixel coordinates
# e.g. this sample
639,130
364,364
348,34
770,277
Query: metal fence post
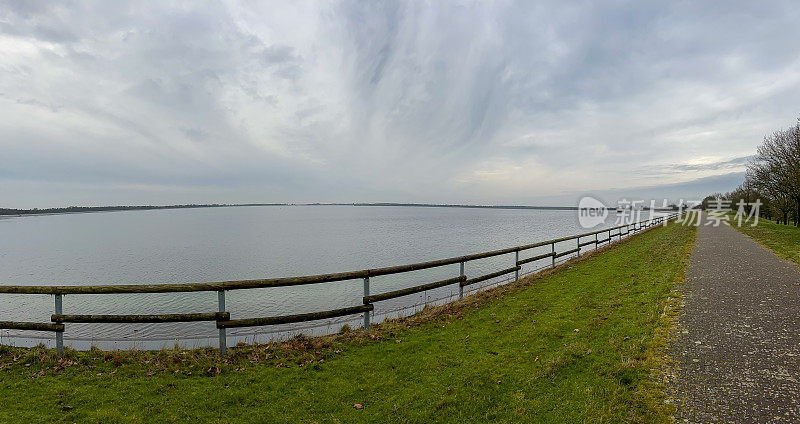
223,339
553,257
460,287
516,261
366,313
59,335
595,241
578,242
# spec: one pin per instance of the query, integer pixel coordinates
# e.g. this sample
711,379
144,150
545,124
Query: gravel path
738,342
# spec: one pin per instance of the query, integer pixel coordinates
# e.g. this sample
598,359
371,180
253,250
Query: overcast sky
489,102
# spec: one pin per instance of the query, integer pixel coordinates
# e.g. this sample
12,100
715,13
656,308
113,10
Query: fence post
516,260
223,339
59,334
553,257
595,241
366,313
578,241
460,287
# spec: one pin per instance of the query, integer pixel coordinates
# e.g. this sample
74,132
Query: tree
773,177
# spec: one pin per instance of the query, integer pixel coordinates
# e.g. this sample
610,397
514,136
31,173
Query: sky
524,103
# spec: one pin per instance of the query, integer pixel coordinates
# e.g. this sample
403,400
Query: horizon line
113,208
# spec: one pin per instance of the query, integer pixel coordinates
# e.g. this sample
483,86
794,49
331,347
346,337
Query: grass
784,240
582,344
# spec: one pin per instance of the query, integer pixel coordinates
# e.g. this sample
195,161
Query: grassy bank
784,240
577,345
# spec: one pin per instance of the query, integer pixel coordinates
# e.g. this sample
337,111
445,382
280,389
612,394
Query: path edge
656,392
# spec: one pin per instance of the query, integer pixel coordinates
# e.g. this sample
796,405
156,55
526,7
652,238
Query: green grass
583,344
784,240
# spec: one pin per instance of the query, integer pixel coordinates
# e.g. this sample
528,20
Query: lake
234,243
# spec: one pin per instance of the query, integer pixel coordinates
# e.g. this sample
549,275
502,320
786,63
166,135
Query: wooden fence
223,319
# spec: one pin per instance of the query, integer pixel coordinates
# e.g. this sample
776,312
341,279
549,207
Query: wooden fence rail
223,319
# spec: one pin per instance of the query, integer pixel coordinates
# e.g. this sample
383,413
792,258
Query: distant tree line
773,177
78,209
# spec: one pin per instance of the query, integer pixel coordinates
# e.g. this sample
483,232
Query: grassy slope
784,240
509,358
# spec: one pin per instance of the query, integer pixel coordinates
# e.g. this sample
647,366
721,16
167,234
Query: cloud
736,163
501,102
696,167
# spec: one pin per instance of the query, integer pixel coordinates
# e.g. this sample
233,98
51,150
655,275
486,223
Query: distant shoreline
90,209
10,212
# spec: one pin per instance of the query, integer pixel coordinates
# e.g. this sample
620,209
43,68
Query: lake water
215,244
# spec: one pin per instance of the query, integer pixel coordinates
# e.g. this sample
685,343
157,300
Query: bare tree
773,176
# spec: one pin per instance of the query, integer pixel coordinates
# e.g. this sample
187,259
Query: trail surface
738,347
